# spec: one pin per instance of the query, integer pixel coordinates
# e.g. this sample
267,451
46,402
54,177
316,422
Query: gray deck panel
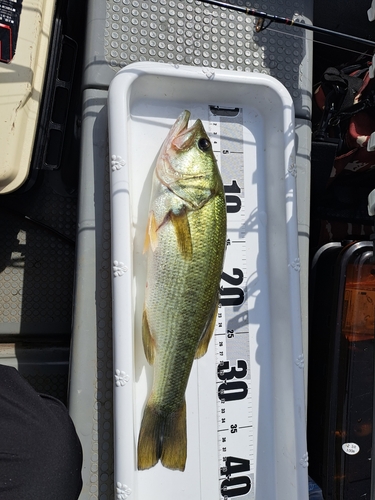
120,32
36,265
36,281
91,378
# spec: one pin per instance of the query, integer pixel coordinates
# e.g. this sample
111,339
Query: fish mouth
179,127
181,124
179,138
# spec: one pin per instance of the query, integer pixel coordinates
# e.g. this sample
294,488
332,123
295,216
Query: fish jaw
178,127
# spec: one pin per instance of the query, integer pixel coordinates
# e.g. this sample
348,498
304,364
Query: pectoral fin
148,340
151,237
207,334
182,227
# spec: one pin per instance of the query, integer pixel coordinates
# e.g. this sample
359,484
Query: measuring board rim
122,96
123,83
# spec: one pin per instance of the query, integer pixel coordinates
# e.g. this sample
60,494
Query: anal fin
148,339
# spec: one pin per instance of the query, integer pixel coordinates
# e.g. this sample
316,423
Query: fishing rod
284,20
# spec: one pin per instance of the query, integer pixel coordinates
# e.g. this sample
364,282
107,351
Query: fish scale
185,313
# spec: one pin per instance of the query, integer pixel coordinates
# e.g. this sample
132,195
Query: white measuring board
245,399
232,343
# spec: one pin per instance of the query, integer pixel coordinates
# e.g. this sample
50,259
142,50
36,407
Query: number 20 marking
234,295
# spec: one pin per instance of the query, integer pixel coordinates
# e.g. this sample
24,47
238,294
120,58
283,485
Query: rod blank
290,22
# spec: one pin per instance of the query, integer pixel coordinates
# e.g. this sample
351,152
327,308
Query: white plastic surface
144,101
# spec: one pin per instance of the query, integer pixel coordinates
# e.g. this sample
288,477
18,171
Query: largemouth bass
185,240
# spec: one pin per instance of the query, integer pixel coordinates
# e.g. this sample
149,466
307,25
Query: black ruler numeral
235,486
233,280
234,203
235,389
224,373
232,296
235,465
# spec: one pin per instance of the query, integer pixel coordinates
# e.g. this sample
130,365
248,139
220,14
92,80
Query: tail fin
162,436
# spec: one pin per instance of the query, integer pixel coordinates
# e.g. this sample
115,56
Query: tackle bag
342,141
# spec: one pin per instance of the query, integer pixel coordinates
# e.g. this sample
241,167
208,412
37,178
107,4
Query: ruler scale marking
232,344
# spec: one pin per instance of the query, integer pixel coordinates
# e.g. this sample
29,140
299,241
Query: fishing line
363,54
284,20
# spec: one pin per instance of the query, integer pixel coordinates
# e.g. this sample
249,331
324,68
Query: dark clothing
40,453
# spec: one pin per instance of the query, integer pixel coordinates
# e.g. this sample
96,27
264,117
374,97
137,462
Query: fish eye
204,144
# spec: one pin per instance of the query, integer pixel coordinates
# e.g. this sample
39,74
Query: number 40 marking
239,485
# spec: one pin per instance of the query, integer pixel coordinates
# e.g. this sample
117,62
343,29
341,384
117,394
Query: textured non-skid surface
43,365
37,257
198,34
36,263
101,465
